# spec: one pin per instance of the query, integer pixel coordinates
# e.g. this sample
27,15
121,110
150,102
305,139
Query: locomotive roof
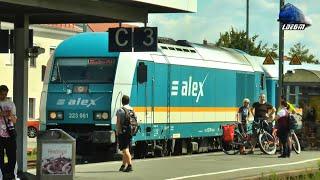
95,44
89,44
209,56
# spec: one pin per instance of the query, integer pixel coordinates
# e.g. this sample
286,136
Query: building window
10,60
262,79
43,72
293,94
52,49
33,62
32,107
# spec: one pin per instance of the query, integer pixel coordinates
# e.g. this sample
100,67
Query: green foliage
304,175
238,40
303,53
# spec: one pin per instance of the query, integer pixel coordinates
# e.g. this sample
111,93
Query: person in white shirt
7,144
282,126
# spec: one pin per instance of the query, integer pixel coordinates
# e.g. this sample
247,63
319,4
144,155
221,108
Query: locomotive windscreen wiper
62,80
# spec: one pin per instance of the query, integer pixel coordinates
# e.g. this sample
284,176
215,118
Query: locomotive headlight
100,115
97,115
105,115
56,115
80,89
53,115
59,115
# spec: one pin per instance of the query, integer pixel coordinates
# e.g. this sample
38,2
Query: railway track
31,164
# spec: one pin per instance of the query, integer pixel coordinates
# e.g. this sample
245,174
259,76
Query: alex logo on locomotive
78,102
188,88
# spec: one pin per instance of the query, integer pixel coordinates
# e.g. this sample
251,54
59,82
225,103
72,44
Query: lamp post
247,28
281,53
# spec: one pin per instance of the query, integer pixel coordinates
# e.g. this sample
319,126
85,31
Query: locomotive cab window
142,75
262,79
83,70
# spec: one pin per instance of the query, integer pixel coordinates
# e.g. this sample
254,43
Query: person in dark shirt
260,110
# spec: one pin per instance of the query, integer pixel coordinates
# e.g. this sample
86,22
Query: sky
217,16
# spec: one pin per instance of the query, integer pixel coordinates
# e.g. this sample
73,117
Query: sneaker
122,167
128,169
282,156
250,152
288,155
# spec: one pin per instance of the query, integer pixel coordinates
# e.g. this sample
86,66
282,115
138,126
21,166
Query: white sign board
56,159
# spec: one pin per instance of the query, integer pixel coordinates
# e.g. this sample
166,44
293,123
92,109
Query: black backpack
130,124
293,124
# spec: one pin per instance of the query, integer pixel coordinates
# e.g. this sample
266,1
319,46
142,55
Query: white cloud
215,17
265,4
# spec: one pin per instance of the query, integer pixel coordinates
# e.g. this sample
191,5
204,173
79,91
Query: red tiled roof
286,58
70,27
103,27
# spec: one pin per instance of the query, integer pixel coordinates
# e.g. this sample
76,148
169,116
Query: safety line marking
242,169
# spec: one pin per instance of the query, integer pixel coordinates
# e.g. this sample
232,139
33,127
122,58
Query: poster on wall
56,159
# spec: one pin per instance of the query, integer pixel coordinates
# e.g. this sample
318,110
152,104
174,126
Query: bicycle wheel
231,148
267,143
295,143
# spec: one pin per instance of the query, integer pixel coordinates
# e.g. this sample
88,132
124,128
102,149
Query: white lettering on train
189,88
78,102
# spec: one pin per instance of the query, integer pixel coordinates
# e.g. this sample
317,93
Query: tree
303,53
238,40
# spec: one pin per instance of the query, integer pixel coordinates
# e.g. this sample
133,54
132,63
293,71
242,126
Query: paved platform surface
203,166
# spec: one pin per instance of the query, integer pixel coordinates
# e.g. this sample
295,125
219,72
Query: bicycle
266,141
295,144
233,145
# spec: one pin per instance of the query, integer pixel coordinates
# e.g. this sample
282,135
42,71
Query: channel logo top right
292,18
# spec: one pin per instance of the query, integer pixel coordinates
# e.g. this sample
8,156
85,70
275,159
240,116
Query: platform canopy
22,13
93,11
302,76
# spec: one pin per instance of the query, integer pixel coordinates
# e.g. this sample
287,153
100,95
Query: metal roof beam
178,5
108,10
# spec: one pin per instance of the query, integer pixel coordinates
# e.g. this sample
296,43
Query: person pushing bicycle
282,129
261,110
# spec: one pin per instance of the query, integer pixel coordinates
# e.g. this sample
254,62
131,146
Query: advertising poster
56,159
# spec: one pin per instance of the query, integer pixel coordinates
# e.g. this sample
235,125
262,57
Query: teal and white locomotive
181,94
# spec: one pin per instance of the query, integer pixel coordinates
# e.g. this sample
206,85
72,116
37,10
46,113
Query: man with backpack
126,128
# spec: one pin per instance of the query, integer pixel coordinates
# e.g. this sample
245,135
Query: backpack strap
127,110
5,120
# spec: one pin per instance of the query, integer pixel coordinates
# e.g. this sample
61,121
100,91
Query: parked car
33,127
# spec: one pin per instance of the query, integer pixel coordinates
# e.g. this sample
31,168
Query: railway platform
201,166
